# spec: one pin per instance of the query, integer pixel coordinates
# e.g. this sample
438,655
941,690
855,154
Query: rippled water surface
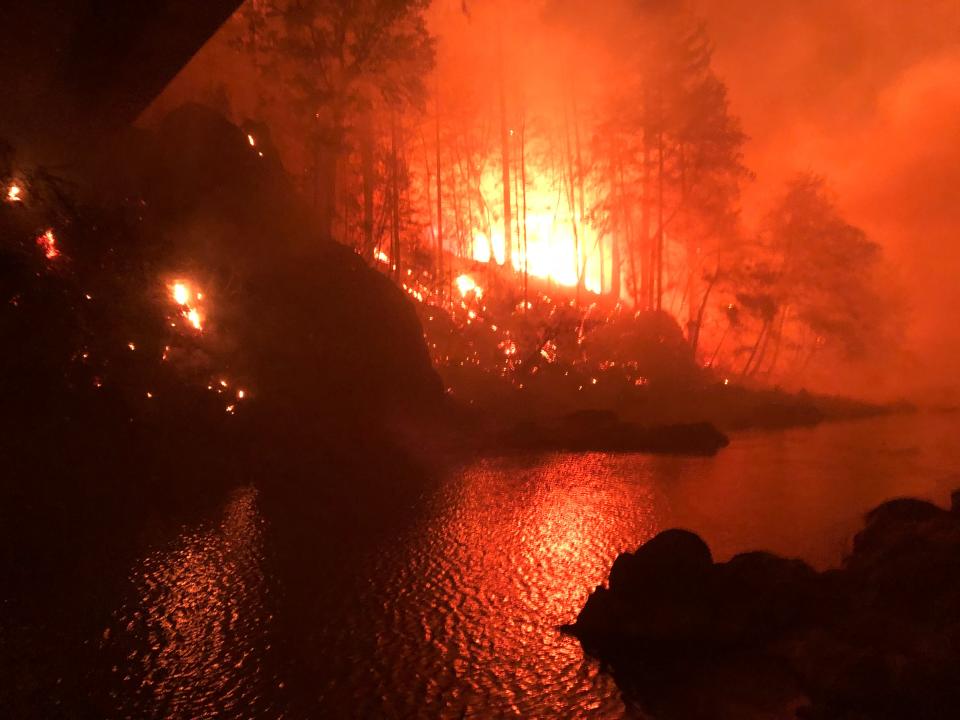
449,606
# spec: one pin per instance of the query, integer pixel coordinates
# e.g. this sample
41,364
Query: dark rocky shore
765,636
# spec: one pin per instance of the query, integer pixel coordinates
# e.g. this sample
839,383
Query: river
452,608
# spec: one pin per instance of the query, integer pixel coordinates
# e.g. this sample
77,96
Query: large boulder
760,596
659,594
907,553
875,639
315,328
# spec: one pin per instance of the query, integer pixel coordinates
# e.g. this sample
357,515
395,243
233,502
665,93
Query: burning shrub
649,345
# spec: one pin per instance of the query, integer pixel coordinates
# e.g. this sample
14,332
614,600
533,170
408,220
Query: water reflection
453,612
510,548
193,640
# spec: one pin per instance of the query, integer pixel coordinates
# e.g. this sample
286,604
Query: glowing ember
48,242
241,394
131,346
383,257
251,140
466,284
549,351
14,193
182,295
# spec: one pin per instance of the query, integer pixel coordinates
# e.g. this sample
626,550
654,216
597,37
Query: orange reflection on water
510,553
194,634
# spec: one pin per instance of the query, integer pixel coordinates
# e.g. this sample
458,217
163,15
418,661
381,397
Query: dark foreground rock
764,636
603,431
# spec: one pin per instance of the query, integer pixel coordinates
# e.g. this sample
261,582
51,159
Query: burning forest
476,146
349,344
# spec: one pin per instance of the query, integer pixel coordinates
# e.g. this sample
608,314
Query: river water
452,608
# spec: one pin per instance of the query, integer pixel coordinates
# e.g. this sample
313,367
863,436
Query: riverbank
689,420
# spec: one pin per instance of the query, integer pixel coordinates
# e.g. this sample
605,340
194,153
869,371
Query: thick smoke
865,93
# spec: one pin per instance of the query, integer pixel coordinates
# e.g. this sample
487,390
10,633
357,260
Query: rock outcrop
877,638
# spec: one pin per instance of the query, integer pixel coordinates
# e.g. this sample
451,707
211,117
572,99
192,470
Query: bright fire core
560,244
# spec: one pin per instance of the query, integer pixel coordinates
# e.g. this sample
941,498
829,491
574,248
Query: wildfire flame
466,284
183,296
14,193
555,242
48,242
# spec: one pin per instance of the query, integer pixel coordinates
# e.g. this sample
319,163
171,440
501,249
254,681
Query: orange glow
466,284
180,293
184,296
554,250
14,193
48,242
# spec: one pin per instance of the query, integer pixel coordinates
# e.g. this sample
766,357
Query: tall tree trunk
523,187
469,229
645,240
779,340
763,350
516,203
616,231
659,249
326,190
457,211
761,338
716,352
328,154
572,204
580,191
367,175
697,323
628,237
431,208
394,199
440,279
505,162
